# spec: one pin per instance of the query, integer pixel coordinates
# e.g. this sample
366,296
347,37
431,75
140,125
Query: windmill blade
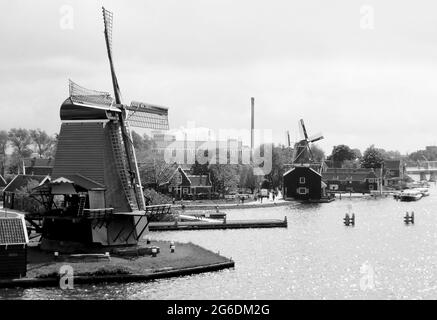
108,18
147,116
310,152
299,150
81,95
316,137
304,130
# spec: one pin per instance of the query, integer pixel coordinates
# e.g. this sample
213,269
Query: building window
302,190
302,180
371,180
185,190
371,187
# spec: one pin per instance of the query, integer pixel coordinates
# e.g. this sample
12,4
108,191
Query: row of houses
175,181
309,182
179,183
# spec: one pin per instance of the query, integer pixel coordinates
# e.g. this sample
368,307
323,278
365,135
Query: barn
302,183
13,247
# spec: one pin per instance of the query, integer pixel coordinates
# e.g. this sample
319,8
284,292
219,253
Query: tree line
226,178
24,143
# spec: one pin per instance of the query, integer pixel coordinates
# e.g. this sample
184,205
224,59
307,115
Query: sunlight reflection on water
316,257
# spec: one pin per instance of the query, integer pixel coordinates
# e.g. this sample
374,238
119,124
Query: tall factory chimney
252,122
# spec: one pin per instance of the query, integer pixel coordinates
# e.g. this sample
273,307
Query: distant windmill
96,168
302,150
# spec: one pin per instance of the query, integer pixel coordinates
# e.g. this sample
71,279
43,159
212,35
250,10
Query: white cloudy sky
204,59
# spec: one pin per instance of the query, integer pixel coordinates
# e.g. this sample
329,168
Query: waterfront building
303,183
359,180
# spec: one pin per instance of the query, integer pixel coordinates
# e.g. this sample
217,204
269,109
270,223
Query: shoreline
231,206
169,272
43,269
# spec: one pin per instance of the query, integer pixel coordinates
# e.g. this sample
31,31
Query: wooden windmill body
95,194
303,181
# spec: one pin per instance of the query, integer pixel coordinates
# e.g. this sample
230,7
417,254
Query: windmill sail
304,130
148,116
108,18
79,94
302,149
134,183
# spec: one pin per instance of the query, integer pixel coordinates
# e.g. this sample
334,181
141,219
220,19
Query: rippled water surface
316,257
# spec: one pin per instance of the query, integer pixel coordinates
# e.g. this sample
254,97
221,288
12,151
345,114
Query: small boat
423,191
410,195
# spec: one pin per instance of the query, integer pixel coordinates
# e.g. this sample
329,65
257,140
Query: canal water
316,257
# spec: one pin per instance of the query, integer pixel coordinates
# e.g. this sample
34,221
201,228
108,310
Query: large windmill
302,152
95,194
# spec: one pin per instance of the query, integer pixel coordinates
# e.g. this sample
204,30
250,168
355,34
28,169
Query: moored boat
423,191
410,195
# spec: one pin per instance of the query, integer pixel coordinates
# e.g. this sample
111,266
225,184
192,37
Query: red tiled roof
12,231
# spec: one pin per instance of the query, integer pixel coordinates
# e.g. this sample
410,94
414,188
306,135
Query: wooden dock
230,224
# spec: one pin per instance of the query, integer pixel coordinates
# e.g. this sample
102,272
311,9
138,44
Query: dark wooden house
302,183
13,247
357,180
38,166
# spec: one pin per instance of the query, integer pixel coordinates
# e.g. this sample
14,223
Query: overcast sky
205,59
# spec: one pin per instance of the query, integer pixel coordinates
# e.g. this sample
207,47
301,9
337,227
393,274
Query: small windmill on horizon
302,152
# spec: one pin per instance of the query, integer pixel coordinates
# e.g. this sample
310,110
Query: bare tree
3,145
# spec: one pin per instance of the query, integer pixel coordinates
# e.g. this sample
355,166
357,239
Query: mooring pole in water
172,247
409,219
348,221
